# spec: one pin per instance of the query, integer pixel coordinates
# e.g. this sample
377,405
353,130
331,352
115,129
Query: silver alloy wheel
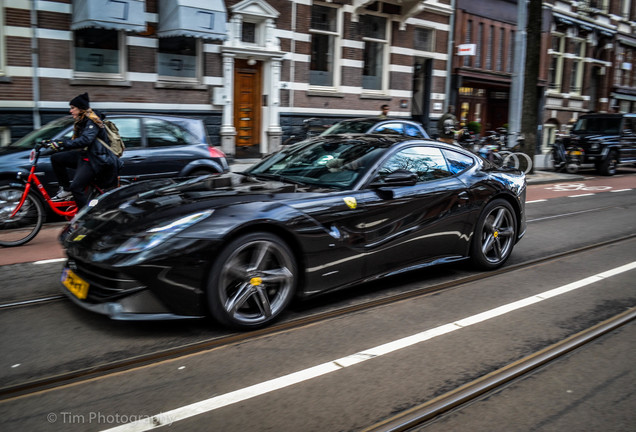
497,235
256,281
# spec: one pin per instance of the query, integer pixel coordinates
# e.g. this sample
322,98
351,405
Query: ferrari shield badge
351,202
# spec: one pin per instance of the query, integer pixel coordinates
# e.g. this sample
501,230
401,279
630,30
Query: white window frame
197,79
336,47
626,9
384,85
578,68
559,56
259,31
123,63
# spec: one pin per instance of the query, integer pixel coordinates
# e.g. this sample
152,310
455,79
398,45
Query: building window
480,37
376,43
248,32
511,52
490,47
555,72
500,49
424,39
576,78
3,46
468,39
325,42
99,52
178,58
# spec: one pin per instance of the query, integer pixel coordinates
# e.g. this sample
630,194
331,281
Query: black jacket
103,162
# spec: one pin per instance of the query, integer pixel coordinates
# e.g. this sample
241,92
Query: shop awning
126,15
195,18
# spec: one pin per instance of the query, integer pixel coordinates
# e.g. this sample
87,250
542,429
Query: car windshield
48,131
350,126
322,162
600,125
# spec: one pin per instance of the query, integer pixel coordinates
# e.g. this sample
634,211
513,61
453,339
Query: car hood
13,159
132,210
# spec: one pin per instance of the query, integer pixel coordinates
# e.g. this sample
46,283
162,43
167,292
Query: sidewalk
538,177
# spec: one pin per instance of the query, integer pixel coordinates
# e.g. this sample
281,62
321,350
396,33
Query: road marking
48,261
536,201
580,195
216,402
621,190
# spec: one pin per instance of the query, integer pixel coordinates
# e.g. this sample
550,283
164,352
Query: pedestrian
446,125
384,111
90,159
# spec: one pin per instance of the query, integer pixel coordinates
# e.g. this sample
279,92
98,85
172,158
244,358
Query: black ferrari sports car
326,213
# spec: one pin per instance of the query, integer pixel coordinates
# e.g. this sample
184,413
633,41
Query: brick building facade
252,69
255,69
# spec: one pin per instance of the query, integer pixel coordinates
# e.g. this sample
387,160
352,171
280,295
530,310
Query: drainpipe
449,62
292,48
34,63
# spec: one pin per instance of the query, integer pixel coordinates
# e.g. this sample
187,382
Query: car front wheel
608,166
494,236
252,281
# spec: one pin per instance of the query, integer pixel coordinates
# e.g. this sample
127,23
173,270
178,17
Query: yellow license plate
576,153
75,284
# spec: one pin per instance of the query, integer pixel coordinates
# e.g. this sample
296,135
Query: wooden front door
247,108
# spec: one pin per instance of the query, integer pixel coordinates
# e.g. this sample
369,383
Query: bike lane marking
167,418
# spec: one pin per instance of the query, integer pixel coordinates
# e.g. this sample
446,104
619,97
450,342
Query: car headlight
157,235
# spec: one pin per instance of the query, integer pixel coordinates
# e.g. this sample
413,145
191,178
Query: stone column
274,131
228,132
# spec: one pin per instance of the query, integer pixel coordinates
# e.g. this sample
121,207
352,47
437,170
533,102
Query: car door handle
463,196
137,158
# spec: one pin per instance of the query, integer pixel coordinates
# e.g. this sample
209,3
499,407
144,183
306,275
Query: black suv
156,146
605,140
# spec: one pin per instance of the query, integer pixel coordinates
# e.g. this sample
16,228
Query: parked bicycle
22,211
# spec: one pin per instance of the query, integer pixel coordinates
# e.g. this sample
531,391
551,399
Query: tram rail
96,371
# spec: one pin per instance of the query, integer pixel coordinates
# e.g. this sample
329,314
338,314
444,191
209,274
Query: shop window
179,58
99,52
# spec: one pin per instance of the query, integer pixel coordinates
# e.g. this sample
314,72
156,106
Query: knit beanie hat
80,101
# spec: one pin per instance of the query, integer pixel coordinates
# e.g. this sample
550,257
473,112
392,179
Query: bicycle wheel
525,162
21,228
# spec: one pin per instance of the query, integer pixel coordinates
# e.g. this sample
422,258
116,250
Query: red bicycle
22,212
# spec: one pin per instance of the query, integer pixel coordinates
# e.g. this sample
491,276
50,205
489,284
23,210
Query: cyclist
446,125
92,161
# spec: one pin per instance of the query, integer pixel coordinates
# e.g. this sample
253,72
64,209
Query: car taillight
215,153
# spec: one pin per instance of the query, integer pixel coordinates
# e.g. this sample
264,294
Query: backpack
116,143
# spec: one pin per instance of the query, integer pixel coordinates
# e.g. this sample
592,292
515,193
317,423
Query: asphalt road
352,371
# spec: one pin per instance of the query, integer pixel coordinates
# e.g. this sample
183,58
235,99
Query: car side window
427,162
129,130
390,128
457,162
161,133
412,131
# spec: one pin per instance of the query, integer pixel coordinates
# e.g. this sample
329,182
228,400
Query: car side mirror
396,178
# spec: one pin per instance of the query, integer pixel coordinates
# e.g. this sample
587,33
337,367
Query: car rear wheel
252,281
494,236
608,166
